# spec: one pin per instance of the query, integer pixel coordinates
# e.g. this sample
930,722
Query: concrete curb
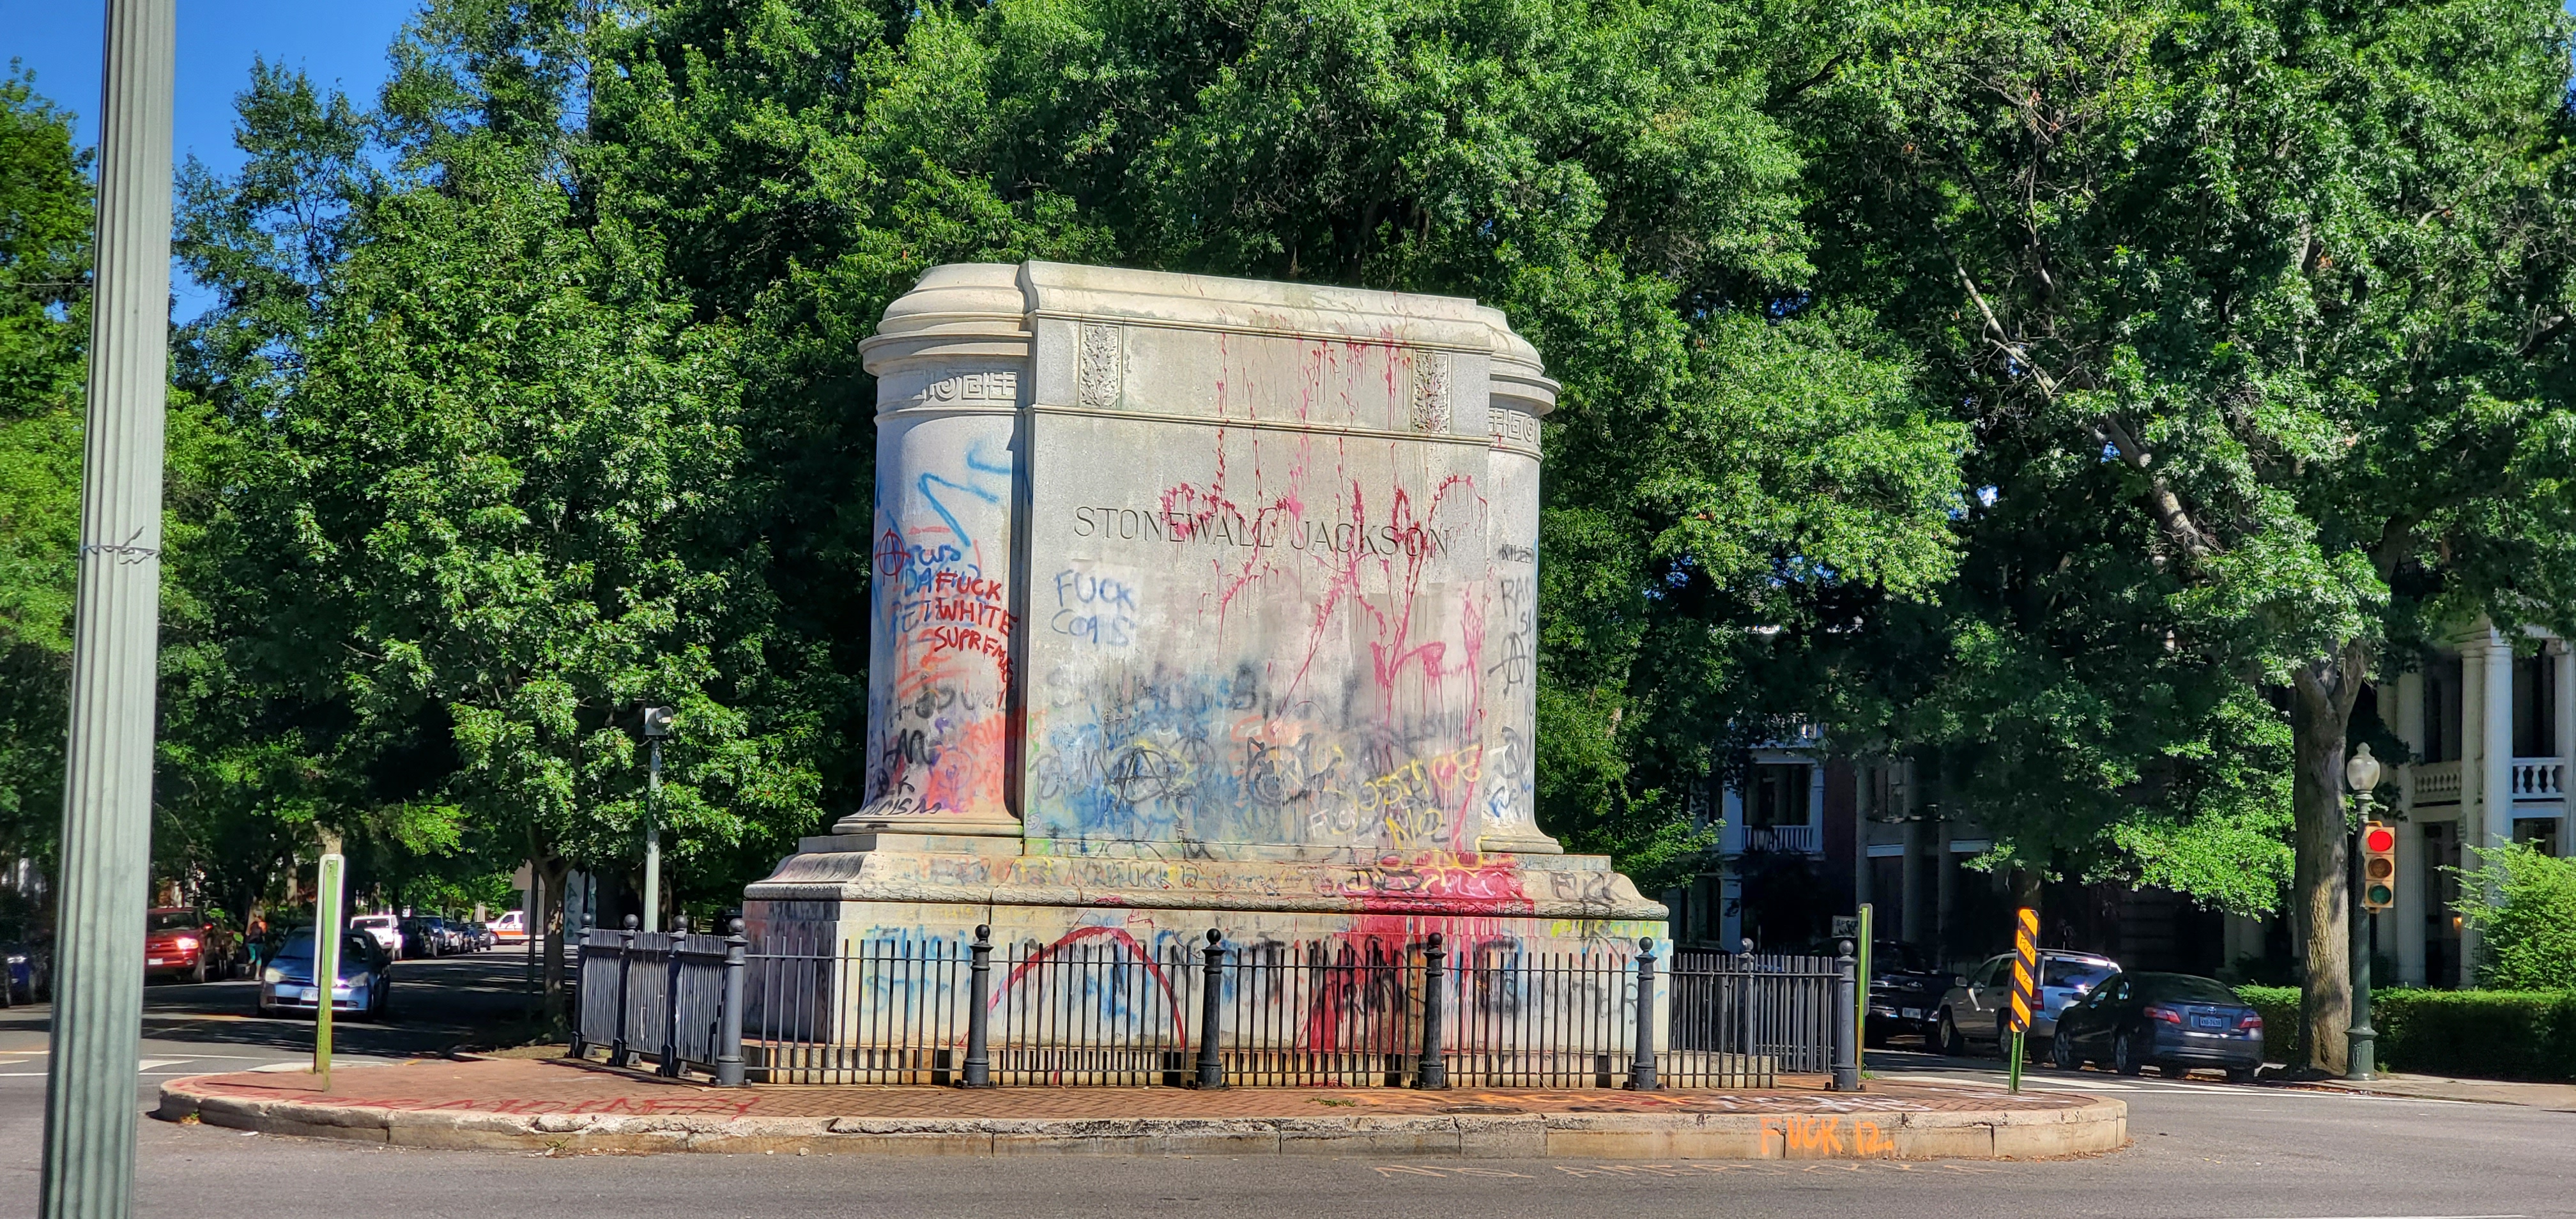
2098,1125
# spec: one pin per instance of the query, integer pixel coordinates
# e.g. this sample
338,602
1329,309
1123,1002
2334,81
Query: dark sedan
2172,1022
29,976
421,940
1904,991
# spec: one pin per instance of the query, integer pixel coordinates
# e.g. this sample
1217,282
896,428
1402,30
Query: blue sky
337,41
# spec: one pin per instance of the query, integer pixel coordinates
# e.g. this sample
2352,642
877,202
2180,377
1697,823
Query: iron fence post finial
979,999
1846,1022
671,1004
729,1021
1432,1072
1211,1073
620,1053
1641,1071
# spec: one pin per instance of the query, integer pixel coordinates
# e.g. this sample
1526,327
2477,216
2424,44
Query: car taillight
2166,1014
2250,1021
186,943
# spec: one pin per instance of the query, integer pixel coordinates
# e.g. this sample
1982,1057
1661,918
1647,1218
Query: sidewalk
559,1105
2560,1098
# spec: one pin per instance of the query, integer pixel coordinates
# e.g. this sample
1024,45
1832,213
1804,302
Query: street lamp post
657,724
2361,774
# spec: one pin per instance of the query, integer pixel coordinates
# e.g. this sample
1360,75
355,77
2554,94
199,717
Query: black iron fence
672,997
1779,1008
1097,1008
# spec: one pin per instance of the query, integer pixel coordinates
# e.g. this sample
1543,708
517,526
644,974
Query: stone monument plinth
1201,603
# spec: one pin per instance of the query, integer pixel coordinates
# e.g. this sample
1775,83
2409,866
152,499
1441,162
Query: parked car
511,928
364,987
419,939
2172,1022
479,936
1977,1007
386,929
1905,991
451,936
30,973
181,943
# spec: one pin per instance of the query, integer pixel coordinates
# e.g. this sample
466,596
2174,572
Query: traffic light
2378,866
657,721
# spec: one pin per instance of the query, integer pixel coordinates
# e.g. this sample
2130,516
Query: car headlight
186,943
272,975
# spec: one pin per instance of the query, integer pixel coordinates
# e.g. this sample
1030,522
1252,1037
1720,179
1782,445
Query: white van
510,928
385,929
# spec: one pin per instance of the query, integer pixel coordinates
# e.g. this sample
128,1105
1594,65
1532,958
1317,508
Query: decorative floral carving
1431,391
1099,376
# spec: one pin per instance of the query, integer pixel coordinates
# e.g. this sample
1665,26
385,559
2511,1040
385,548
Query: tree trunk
531,910
2025,886
2320,712
556,869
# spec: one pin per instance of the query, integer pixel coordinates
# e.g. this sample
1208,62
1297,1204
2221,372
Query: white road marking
2168,1087
2086,1085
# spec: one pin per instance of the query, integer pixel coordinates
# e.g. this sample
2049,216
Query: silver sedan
1976,1011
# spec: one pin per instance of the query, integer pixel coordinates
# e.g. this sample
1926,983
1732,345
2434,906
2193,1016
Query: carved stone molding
1514,430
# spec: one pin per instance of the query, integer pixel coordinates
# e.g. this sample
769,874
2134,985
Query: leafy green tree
256,751
486,505
2286,279
2529,928
1728,455
44,333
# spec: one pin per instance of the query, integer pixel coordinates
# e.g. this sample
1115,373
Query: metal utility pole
329,875
90,1077
657,724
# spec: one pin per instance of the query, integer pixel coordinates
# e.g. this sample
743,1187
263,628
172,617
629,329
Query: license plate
2208,1022
1913,1013
304,994
152,960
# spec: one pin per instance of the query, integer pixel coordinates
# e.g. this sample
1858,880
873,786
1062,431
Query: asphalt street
2203,1149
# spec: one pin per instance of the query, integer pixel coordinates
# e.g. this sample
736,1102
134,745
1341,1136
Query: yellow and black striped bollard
2024,984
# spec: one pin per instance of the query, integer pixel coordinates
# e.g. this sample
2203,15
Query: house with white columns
2492,728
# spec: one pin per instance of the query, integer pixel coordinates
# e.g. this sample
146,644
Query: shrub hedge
2487,1034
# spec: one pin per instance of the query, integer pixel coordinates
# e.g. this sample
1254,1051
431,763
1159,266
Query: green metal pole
2015,1076
90,1075
327,877
1860,1053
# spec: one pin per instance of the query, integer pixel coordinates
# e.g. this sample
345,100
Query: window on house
2442,681
1885,793
1778,796
2534,735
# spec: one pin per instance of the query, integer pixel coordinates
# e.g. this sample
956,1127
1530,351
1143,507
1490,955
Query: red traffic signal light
2378,866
